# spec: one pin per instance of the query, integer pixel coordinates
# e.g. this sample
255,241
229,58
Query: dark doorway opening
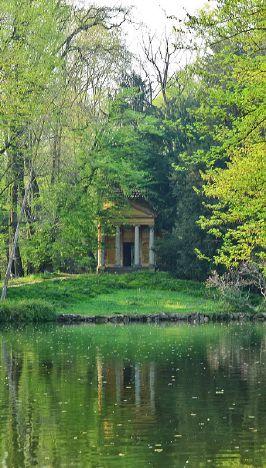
128,375
128,254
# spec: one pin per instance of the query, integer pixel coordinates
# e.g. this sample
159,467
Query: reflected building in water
90,404
124,382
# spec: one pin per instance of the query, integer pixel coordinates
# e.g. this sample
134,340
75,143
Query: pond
133,396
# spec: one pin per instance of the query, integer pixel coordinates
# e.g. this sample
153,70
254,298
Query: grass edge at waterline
46,297
27,311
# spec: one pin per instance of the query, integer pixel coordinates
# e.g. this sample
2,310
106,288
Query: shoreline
193,318
126,298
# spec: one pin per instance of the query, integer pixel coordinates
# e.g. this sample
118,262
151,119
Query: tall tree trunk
30,216
15,242
56,151
17,179
16,266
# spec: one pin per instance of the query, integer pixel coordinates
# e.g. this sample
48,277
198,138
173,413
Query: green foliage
58,122
238,208
77,117
232,112
64,236
29,37
26,310
215,129
185,143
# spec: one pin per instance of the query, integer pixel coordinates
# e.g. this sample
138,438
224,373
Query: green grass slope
110,294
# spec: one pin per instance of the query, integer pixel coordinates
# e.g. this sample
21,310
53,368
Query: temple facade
131,247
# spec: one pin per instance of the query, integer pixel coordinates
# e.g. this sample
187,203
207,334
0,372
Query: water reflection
139,395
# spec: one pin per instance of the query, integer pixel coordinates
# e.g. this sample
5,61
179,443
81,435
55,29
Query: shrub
239,288
27,310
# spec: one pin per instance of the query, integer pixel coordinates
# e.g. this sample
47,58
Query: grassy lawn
114,294
144,301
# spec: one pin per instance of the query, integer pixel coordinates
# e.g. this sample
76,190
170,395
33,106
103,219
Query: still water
133,396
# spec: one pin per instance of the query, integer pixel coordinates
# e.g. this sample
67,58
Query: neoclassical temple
131,247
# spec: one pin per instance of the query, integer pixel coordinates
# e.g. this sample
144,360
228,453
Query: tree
27,69
184,140
234,115
60,68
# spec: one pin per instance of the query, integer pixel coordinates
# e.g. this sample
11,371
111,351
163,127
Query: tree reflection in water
136,395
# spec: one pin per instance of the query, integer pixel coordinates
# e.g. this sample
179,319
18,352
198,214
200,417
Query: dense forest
82,122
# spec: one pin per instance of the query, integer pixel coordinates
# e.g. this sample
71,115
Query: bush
27,310
240,289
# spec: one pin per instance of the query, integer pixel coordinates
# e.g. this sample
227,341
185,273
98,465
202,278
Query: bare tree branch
105,17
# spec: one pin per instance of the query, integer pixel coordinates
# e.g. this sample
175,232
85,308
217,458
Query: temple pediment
138,213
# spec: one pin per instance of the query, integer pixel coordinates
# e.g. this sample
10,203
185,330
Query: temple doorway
128,254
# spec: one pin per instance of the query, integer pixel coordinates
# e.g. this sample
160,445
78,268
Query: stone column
151,247
99,382
118,246
137,385
118,381
100,248
103,251
152,385
136,245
